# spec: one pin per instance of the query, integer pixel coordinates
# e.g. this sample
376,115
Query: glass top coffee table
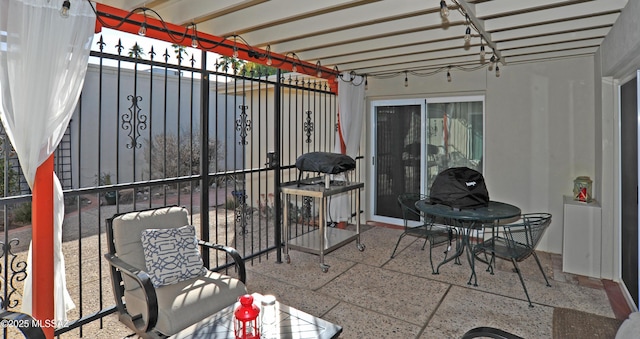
291,324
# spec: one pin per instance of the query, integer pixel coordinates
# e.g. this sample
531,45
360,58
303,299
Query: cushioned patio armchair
160,285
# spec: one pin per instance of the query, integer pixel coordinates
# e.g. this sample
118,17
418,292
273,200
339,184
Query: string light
482,52
269,60
190,33
444,10
64,11
235,48
366,83
467,32
143,27
267,57
449,74
194,37
497,71
181,38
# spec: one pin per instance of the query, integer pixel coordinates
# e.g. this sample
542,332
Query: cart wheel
287,258
361,247
325,268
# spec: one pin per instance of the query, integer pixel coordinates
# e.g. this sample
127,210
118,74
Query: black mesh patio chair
517,242
433,232
489,332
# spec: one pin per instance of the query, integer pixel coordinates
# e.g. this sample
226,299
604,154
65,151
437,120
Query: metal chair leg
433,271
473,268
541,270
515,264
397,243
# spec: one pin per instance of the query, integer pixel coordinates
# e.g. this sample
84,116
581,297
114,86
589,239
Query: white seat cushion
186,302
180,304
127,231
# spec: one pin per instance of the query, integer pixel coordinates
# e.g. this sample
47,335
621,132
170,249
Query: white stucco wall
539,124
539,136
109,133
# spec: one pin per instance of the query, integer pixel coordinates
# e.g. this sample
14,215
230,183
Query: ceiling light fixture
444,10
64,11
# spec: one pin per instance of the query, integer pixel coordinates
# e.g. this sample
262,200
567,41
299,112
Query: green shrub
231,203
22,213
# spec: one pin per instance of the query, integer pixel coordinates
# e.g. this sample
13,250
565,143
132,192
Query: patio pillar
42,246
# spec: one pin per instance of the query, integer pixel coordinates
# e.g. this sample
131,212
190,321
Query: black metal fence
176,126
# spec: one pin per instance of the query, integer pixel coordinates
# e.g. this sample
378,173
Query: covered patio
373,296
139,114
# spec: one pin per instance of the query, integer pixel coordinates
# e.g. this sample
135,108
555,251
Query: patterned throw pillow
171,255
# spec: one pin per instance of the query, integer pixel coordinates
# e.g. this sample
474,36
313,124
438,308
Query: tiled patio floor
373,296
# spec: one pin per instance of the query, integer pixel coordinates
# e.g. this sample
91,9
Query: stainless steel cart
324,239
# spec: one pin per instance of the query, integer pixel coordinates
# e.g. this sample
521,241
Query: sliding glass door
413,140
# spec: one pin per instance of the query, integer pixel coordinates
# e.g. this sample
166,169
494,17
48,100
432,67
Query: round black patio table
467,220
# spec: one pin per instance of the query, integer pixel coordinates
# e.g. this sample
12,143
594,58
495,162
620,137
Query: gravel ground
84,241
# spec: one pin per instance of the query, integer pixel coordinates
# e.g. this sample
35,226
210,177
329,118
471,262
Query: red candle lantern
246,319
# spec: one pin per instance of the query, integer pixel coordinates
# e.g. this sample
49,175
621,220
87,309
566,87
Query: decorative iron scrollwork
308,127
134,121
243,125
17,271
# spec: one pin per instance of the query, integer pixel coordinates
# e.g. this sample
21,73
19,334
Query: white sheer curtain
351,117
43,61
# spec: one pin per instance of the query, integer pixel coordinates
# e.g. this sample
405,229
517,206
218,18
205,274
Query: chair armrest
143,279
242,273
490,332
29,327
